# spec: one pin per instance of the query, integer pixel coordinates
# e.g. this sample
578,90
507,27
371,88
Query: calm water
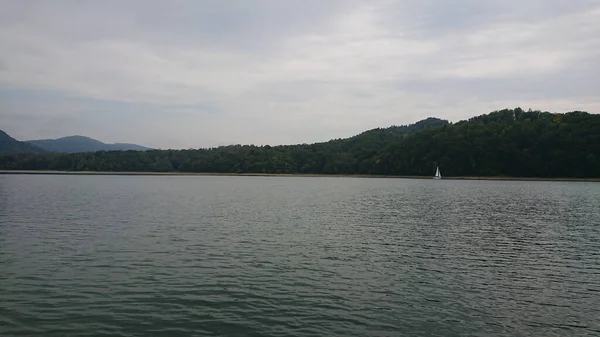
264,256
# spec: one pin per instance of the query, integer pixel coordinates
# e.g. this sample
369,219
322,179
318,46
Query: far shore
121,173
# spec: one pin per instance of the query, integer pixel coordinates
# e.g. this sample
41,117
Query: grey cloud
213,23
191,73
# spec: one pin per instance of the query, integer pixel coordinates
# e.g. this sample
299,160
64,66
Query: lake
297,256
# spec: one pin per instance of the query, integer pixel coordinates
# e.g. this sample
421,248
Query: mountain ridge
78,143
509,142
9,144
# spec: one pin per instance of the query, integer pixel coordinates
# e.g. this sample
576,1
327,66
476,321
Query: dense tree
502,143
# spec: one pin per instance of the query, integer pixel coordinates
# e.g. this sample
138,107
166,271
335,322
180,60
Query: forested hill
9,144
503,143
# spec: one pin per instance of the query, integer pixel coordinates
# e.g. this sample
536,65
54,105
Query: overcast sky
183,74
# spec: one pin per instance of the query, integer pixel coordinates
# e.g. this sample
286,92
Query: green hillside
503,143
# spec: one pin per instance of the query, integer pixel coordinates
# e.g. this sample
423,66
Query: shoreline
125,173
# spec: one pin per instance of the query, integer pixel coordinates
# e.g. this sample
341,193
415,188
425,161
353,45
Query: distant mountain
76,144
9,144
509,142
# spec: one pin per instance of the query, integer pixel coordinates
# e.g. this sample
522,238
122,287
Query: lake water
296,256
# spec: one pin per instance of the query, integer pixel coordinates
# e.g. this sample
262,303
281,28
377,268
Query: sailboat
437,174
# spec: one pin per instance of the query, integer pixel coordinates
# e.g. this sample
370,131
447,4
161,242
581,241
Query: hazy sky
184,74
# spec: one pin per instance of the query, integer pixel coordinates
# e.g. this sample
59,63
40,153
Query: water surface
292,256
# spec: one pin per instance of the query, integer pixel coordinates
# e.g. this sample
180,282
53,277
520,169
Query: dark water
255,256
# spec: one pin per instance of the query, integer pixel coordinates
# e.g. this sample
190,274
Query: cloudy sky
183,74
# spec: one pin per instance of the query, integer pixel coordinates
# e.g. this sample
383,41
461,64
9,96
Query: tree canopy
510,142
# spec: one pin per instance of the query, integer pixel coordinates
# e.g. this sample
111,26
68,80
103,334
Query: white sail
437,174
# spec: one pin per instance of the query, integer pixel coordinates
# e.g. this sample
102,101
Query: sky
190,74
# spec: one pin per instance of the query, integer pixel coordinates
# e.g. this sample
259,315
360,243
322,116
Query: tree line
510,142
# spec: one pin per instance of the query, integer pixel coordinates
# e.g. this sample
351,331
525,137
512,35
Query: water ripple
229,256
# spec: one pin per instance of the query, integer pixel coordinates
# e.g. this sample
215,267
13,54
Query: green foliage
502,143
